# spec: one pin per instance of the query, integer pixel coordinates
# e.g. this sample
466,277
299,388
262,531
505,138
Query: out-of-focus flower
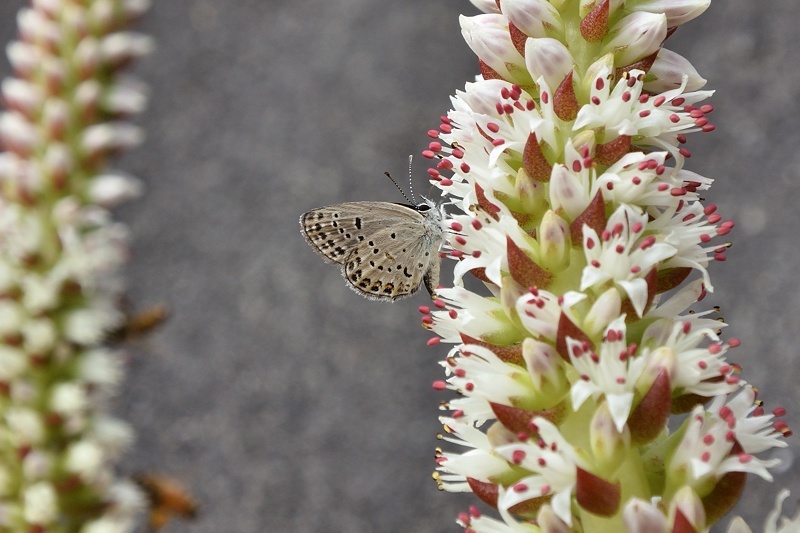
60,260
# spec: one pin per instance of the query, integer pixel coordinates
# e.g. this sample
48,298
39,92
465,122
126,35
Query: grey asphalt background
285,401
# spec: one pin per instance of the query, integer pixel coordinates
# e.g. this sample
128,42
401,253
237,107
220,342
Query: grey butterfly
386,250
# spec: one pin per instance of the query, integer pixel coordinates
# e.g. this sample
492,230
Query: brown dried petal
594,26
670,278
681,524
485,204
486,492
644,64
726,493
519,420
593,216
534,161
566,328
523,269
518,38
488,72
648,419
597,495
611,152
509,354
565,103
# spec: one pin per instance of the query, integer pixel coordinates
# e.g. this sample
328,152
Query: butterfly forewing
335,230
386,250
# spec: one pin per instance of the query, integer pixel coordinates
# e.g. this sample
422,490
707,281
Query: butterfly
385,250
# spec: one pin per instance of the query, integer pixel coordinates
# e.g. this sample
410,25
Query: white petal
581,390
620,407
561,504
637,292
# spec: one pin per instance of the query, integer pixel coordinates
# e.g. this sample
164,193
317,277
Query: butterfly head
431,209
425,205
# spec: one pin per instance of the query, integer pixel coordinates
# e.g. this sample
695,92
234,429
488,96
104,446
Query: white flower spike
565,163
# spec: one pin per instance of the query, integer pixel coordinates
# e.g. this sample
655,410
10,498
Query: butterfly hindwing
388,269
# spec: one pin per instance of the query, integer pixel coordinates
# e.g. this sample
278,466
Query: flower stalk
60,258
565,166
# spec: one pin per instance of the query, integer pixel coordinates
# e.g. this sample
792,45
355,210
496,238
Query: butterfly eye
421,208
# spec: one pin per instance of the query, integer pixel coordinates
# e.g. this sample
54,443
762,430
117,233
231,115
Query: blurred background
281,398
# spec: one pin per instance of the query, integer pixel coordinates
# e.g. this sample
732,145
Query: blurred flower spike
565,163
61,254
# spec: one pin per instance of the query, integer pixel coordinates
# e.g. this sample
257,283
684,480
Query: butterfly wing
391,271
386,250
336,230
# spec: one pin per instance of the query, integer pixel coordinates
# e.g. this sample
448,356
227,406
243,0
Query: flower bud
549,522
488,37
567,192
677,11
668,72
640,516
554,241
609,446
687,509
548,58
535,18
636,36
604,310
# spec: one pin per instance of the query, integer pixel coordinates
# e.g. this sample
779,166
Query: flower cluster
60,260
564,162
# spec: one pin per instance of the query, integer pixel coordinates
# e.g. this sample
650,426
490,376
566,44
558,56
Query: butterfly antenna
410,183
398,188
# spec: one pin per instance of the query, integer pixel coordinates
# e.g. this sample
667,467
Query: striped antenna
410,183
